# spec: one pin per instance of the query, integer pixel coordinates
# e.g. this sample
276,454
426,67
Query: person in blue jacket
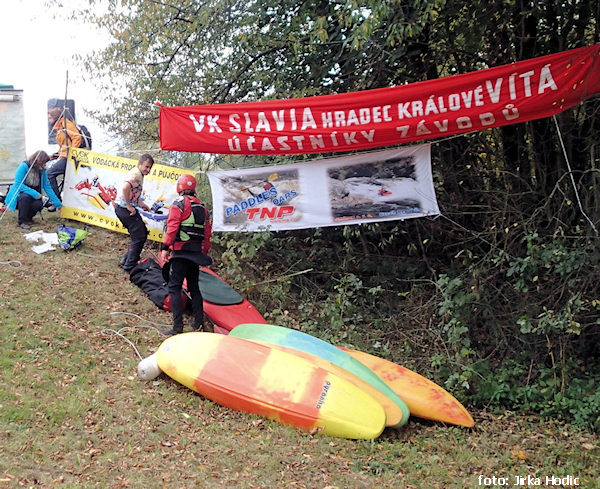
26,193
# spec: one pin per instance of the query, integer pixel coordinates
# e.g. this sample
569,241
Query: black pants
58,168
184,269
28,207
138,233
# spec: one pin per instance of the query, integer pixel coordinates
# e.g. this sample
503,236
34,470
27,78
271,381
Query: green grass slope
73,413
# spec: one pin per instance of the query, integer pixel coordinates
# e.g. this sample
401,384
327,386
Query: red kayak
224,306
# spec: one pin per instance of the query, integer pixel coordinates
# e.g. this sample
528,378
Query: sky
36,56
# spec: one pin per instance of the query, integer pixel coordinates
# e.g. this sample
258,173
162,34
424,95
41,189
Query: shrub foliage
497,298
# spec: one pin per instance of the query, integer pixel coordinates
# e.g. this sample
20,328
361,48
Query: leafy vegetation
497,298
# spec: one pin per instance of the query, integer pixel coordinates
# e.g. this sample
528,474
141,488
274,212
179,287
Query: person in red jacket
185,248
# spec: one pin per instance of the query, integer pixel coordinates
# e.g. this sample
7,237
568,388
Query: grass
73,413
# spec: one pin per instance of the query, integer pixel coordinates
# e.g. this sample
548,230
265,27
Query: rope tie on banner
572,178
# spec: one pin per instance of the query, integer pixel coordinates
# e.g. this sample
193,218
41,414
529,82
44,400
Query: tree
516,249
196,52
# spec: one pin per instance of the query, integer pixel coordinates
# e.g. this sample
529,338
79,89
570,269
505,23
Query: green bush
499,330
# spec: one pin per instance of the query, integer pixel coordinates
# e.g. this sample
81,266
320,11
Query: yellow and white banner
93,180
372,187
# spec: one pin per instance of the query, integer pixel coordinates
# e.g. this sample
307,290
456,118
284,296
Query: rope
475,235
114,313
112,332
12,263
572,178
281,277
109,332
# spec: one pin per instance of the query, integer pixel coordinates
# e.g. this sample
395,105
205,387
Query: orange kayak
424,398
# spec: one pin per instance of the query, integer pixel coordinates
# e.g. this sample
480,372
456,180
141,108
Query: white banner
93,180
372,187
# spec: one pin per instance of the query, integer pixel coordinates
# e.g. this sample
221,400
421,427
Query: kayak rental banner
93,180
368,187
458,104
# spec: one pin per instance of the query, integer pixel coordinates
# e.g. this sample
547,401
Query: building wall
12,132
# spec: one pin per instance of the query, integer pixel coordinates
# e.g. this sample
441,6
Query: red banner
507,94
